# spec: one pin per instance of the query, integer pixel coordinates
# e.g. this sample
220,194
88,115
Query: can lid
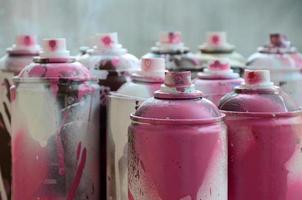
108,42
26,43
257,79
152,70
258,95
177,85
216,42
278,43
170,41
177,102
54,48
218,69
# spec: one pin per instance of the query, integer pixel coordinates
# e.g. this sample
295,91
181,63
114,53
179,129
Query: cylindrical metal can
284,63
15,59
177,145
264,141
55,128
177,56
217,80
121,104
217,47
112,65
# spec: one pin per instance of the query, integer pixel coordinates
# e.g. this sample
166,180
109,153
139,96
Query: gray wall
138,22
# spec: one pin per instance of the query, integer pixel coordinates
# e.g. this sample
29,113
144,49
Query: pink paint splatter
52,44
107,41
28,41
115,61
218,66
130,196
174,38
253,78
215,39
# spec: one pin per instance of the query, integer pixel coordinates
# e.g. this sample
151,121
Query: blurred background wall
138,22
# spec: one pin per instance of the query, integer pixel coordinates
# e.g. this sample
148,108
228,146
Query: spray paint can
264,141
217,80
284,63
121,104
177,145
177,56
217,47
55,128
112,66
15,59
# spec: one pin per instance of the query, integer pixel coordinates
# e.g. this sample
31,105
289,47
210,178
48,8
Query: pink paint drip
77,179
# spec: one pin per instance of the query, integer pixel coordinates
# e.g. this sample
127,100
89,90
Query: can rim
117,95
17,79
263,114
137,119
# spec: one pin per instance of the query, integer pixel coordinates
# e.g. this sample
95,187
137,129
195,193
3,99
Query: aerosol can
55,128
112,65
217,80
284,63
264,141
122,103
15,59
177,145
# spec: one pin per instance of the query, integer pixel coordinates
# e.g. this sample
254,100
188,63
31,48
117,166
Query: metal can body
264,157
214,90
177,162
55,140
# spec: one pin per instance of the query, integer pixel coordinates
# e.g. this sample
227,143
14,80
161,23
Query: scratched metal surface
138,21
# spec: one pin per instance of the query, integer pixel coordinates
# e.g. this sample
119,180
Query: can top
278,55
54,63
25,44
218,69
152,70
216,42
177,101
54,48
258,95
278,43
170,41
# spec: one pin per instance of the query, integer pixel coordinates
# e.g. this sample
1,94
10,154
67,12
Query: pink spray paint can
217,47
217,80
177,145
112,65
284,63
264,141
177,56
55,128
15,59
121,104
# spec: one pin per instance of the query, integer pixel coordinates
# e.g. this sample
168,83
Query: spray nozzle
54,48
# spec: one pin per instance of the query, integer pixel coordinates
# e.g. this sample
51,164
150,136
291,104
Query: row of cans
64,121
